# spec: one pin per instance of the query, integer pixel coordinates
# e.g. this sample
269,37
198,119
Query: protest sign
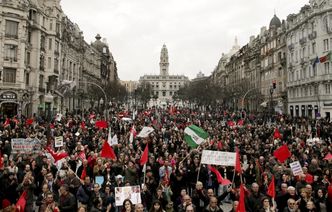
58,141
296,168
218,158
25,145
128,192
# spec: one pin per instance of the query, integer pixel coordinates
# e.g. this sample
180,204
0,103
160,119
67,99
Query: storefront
8,104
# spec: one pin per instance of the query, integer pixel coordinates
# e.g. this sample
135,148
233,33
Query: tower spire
164,64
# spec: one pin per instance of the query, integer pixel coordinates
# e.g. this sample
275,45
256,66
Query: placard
296,168
218,158
58,141
99,180
128,192
25,145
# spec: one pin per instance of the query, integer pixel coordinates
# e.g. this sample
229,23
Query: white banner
128,192
145,132
218,158
296,168
58,141
25,145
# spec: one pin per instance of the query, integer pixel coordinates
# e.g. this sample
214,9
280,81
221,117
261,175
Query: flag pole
199,170
144,173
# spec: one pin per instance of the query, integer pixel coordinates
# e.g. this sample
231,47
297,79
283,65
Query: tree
144,92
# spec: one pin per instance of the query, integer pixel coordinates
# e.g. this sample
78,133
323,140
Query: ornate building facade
164,85
309,42
273,65
43,59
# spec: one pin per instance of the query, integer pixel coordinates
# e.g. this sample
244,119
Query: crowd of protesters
173,178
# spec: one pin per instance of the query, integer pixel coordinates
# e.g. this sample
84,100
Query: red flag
145,155
83,125
241,206
219,145
240,122
20,205
81,155
271,191
107,151
16,121
238,162
217,173
1,161
83,175
29,121
230,123
92,116
101,124
328,157
276,134
56,155
7,122
282,153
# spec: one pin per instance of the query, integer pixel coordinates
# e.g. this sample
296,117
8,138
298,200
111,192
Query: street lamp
271,101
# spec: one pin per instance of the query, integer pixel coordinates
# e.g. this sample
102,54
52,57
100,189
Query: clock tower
164,64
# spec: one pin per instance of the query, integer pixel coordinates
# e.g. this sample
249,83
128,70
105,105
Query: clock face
327,23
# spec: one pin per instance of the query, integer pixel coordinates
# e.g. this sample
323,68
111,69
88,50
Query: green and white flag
194,136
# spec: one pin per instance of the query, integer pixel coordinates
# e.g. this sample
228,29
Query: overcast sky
196,32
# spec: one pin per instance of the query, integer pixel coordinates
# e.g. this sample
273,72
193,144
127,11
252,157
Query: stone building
309,42
273,73
241,75
42,59
164,85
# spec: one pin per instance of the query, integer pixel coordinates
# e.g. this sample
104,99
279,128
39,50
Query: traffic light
274,84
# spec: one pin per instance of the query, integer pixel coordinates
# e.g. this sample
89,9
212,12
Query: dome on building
275,22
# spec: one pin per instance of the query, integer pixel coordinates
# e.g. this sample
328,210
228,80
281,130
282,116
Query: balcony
303,41
312,35
11,36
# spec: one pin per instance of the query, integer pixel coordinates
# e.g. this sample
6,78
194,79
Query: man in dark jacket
67,201
253,202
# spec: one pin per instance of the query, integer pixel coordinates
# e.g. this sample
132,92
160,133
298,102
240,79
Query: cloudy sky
196,32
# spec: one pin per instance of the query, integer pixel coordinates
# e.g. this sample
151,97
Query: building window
49,62
27,60
164,93
327,88
170,93
51,25
27,79
326,67
41,81
42,43
10,52
326,44
9,75
50,44
56,65
313,48
11,29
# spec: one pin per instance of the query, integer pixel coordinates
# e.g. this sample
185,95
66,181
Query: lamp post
244,96
271,101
